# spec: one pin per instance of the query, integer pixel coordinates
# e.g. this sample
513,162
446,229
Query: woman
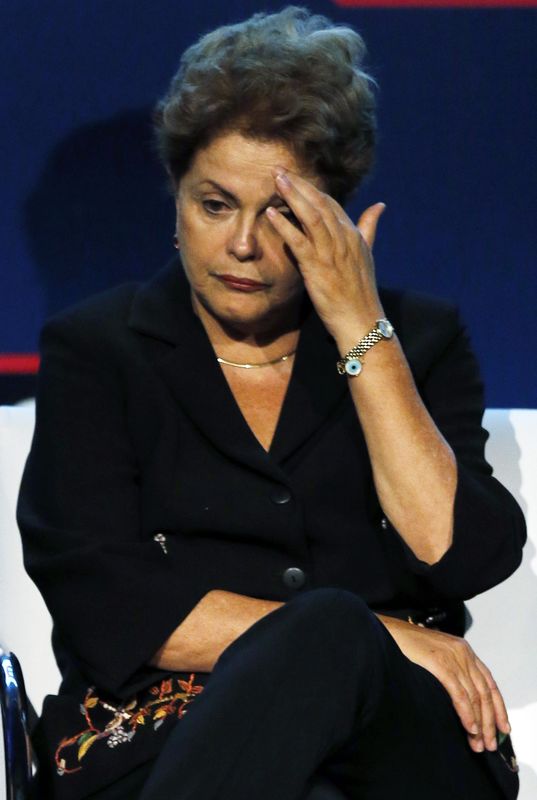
231,459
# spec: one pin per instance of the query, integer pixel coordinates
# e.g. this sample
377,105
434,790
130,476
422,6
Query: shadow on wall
100,213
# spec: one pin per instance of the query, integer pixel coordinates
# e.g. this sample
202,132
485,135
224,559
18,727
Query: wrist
350,329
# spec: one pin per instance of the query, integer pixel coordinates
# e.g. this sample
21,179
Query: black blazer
145,488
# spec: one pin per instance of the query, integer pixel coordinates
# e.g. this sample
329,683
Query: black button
294,578
281,495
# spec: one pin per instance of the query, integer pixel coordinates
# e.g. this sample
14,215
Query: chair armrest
17,747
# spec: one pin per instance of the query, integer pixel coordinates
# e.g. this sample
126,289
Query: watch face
353,366
385,327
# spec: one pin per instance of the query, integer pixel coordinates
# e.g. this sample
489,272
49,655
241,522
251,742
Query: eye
214,207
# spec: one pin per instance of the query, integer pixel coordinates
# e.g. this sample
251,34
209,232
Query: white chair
504,631
25,625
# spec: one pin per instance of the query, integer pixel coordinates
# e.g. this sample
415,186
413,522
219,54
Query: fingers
488,713
474,717
292,237
485,699
307,190
484,691
481,700
322,218
314,217
502,718
367,224
466,710
475,697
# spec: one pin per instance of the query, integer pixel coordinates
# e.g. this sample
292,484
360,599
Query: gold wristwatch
352,363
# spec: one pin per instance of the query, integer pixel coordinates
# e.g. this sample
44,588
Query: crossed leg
318,690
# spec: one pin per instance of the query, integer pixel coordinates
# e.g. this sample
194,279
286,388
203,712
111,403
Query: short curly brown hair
291,77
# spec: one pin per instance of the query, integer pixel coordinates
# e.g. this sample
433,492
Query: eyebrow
273,199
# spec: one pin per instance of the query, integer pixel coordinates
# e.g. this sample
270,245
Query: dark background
85,206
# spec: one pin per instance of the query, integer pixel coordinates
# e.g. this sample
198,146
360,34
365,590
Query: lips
242,284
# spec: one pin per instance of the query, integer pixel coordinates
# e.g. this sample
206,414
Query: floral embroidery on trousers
169,698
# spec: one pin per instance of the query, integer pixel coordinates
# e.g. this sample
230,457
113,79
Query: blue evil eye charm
353,366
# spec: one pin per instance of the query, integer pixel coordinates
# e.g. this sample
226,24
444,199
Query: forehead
242,165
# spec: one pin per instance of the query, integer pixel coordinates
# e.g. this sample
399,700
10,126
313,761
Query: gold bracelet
351,363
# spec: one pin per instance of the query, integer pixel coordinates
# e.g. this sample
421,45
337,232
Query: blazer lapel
315,389
162,311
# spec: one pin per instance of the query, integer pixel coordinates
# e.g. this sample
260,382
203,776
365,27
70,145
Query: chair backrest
504,630
25,624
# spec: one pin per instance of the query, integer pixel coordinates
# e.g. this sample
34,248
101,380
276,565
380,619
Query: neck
257,342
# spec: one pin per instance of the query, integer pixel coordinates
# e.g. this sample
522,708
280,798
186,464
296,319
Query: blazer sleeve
488,525
114,595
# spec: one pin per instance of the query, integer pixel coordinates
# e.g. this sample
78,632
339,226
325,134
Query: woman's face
238,268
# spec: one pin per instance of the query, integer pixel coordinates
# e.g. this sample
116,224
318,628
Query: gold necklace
255,366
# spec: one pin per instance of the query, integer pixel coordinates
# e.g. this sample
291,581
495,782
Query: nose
243,242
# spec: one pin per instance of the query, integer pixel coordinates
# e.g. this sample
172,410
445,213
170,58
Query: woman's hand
413,467
333,255
469,683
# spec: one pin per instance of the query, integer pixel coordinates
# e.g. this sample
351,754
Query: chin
248,311
247,316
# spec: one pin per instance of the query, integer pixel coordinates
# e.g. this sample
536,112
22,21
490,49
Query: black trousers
316,694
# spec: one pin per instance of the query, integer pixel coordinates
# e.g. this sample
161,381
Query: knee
332,632
333,603
319,633
334,616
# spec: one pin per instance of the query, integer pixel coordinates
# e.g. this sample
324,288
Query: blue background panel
85,205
